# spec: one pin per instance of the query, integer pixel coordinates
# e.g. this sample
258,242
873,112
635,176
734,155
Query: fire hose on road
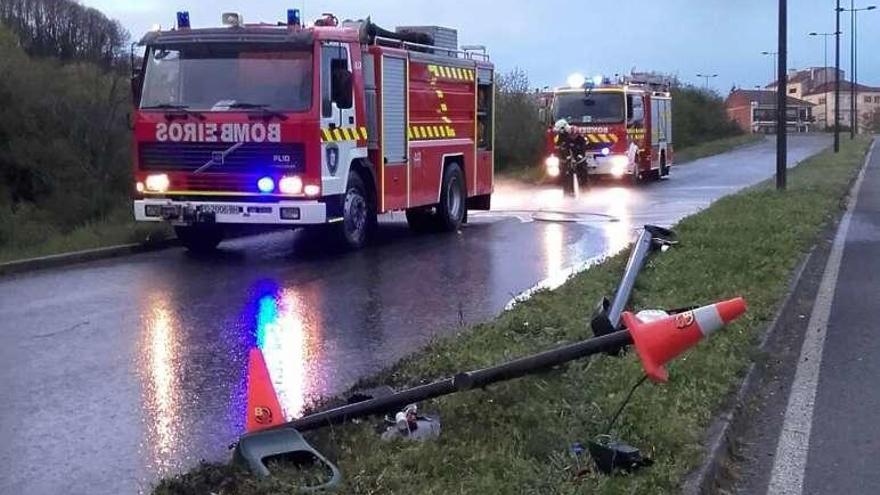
657,341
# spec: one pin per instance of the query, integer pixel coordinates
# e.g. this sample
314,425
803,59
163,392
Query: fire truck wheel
453,199
199,238
356,221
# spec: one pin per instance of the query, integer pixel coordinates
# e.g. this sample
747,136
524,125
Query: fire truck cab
627,127
283,125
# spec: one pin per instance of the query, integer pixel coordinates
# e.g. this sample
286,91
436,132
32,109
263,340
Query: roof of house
765,97
844,87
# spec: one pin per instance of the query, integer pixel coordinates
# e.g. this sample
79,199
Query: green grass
715,147
118,228
514,437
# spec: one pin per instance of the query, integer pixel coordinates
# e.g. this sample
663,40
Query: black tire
358,215
664,169
199,238
421,219
453,199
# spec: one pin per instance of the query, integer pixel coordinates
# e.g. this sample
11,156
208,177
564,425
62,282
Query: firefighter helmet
561,125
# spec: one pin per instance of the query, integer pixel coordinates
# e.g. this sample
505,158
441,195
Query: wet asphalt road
118,372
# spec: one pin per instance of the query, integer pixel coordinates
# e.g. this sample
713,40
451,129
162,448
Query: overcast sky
552,38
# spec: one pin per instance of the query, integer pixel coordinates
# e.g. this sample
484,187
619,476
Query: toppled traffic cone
660,341
263,408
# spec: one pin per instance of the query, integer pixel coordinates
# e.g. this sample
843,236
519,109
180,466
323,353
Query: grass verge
715,147
514,437
118,228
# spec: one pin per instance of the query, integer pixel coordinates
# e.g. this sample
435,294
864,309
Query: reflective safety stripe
455,73
344,134
431,132
708,319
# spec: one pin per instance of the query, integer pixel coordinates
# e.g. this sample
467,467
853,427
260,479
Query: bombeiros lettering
189,132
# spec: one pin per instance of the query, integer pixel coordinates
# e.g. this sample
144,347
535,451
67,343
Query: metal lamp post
707,77
825,67
854,85
774,54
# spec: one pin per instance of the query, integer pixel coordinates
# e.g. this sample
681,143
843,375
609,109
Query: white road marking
794,439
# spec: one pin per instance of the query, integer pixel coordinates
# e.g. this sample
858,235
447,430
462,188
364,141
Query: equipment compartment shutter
394,109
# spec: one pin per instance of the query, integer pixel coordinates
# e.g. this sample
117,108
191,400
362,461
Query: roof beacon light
576,80
183,20
597,80
232,19
293,18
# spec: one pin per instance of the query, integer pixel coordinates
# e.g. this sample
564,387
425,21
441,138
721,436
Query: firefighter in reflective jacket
572,149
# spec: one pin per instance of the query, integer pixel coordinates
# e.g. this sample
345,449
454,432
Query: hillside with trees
64,134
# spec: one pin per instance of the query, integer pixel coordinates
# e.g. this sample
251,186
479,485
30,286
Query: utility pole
837,81
782,99
852,69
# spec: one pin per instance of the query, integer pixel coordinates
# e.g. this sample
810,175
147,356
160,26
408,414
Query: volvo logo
217,157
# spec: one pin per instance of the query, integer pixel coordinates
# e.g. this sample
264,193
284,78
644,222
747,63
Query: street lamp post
774,54
782,99
837,81
854,85
825,68
707,77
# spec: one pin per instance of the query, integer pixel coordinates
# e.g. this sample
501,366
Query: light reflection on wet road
120,371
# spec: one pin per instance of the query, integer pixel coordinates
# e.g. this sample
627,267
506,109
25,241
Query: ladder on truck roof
468,54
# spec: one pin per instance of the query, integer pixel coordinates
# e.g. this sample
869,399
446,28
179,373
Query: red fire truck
283,125
627,126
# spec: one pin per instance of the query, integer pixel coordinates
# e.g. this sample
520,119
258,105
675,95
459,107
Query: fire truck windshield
591,108
228,77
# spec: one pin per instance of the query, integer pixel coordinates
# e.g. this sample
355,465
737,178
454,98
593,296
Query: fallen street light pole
657,342
606,319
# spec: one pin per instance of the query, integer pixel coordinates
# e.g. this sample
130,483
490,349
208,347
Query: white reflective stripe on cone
708,319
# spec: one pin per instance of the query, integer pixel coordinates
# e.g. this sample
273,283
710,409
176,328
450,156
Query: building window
867,99
822,100
792,91
877,99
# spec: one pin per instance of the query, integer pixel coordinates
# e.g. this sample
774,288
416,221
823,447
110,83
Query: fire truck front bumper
613,165
305,212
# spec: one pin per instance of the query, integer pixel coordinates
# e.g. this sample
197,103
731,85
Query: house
755,111
822,96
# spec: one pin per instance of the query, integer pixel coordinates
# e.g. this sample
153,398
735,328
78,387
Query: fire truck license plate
220,209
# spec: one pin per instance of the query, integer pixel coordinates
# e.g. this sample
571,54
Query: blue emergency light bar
183,20
293,18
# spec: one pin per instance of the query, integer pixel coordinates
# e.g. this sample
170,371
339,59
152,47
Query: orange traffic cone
263,409
660,341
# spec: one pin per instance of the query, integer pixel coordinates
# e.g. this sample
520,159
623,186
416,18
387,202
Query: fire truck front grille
222,157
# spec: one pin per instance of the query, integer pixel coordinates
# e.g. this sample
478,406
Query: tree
519,134
872,121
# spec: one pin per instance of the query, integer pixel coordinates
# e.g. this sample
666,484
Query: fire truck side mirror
137,83
343,89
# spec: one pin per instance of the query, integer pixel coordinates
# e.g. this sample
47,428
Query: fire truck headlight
290,185
157,183
139,186
619,164
312,190
266,185
606,151
552,164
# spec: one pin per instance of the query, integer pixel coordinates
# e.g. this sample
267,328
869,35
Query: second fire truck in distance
627,126
283,125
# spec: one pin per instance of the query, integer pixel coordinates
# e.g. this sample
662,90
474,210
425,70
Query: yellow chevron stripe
337,134
593,138
327,136
604,138
364,133
432,69
613,137
439,94
450,130
460,73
